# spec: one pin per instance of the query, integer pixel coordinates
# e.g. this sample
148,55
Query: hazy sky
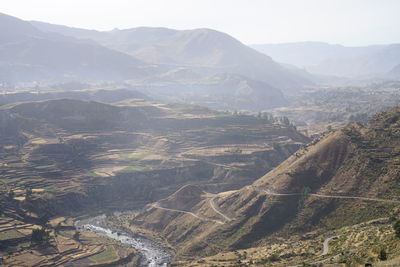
348,22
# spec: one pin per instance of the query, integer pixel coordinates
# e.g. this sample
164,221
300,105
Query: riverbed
152,253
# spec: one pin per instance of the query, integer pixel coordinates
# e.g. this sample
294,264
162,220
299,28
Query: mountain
376,62
204,50
337,60
345,177
28,54
199,66
306,54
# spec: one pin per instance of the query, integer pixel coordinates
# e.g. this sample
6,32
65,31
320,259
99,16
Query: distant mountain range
338,60
193,66
203,50
305,54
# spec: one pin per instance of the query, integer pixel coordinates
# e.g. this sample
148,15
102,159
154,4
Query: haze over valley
186,146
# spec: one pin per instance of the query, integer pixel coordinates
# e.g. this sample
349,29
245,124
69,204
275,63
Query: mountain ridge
206,50
322,58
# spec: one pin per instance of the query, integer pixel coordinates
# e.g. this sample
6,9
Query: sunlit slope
345,177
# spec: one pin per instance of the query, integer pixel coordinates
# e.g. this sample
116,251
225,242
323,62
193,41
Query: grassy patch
137,167
54,190
134,156
108,255
92,174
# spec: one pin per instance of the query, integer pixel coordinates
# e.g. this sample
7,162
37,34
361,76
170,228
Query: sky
347,22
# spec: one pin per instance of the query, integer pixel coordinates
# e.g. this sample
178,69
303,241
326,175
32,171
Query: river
152,253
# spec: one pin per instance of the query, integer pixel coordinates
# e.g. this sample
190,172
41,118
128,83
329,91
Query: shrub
382,255
76,235
396,227
40,236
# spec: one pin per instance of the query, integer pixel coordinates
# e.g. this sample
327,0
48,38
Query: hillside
205,50
28,54
225,91
73,144
65,158
347,177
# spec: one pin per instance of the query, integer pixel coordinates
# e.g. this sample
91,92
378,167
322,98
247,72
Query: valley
191,175
152,134
304,196
57,163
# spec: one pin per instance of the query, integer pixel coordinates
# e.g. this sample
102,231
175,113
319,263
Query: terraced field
66,158
62,249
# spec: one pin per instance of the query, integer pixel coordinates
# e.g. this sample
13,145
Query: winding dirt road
217,210
271,193
325,245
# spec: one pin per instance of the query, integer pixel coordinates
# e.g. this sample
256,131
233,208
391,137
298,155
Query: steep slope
347,177
13,29
184,199
28,54
206,50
